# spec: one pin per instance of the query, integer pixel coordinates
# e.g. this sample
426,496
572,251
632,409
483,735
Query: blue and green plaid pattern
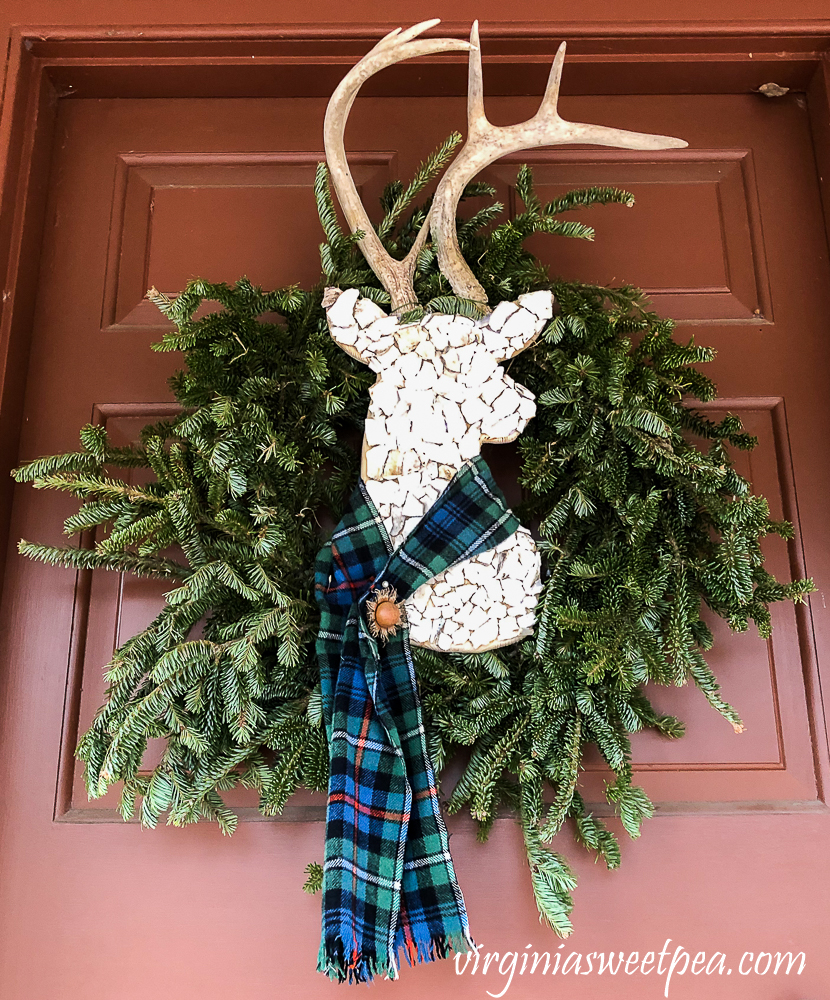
388,878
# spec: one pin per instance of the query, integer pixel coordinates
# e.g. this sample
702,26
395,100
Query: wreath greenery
639,528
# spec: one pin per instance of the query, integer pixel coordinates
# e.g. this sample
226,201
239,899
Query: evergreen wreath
639,530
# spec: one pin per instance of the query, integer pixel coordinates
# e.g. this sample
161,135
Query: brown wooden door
727,236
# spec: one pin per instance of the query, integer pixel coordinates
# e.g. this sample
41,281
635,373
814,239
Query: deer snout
511,411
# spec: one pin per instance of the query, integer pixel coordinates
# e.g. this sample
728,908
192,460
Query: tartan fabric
388,880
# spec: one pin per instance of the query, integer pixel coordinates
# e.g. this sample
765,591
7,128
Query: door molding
48,64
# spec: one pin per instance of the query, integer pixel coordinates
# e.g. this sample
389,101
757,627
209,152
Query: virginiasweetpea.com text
668,966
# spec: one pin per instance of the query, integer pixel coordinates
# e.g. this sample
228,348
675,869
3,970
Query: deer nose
521,390
527,403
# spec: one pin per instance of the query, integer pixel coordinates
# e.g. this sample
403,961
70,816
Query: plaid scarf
388,878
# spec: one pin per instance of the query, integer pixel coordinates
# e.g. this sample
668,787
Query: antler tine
386,37
418,29
486,143
396,276
550,101
476,115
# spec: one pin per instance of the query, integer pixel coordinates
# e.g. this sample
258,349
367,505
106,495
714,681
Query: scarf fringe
429,949
363,967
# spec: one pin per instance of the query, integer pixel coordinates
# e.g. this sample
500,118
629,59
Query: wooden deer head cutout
441,392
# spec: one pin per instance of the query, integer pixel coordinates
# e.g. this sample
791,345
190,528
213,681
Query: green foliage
314,882
643,522
226,673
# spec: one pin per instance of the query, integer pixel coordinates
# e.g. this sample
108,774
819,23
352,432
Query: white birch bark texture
440,392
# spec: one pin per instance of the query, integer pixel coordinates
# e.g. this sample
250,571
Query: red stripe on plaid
358,586
372,811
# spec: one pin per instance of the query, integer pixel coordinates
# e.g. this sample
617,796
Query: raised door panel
178,216
769,765
693,242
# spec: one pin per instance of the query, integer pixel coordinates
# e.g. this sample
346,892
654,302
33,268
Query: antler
486,143
396,276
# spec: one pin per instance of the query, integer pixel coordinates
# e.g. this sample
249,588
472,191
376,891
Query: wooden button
387,614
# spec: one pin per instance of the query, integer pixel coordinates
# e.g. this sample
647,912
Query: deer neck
405,469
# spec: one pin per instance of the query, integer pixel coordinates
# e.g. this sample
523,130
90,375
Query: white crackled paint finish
440,394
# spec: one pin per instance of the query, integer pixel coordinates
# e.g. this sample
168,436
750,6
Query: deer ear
355,323
513,326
